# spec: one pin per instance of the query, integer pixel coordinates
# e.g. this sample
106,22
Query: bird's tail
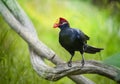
92,50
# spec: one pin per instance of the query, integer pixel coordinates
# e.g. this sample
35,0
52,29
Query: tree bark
20,23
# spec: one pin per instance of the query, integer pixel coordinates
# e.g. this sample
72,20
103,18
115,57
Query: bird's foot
82,62
70,64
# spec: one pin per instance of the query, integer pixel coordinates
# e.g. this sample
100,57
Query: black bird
74,40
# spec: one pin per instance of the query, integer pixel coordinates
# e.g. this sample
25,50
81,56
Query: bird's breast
67,40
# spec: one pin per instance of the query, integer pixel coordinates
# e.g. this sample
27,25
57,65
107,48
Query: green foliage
113,60
15,67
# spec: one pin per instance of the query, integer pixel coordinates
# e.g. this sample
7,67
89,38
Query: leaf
113,60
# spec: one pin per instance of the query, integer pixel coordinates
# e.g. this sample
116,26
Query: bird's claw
69,64
82,62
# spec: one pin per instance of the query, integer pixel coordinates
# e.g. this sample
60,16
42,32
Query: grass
15,66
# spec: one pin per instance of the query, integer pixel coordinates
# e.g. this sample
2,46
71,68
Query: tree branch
18,20
90,67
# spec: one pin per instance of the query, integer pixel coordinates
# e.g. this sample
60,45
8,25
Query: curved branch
93,67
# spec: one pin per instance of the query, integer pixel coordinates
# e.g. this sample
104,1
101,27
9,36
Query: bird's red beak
56,24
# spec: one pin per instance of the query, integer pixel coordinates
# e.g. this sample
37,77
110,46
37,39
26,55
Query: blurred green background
99,19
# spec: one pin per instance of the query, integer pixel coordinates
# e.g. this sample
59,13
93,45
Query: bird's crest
61,20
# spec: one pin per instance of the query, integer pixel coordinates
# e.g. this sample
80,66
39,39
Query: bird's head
61,23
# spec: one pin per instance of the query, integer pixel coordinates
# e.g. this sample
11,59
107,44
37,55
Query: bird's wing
82,36
86,37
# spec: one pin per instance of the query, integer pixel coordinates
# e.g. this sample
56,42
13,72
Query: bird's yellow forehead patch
57,21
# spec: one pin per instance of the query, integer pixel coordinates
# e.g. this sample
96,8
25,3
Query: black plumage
74,40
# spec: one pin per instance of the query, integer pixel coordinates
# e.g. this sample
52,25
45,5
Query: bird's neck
65,26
